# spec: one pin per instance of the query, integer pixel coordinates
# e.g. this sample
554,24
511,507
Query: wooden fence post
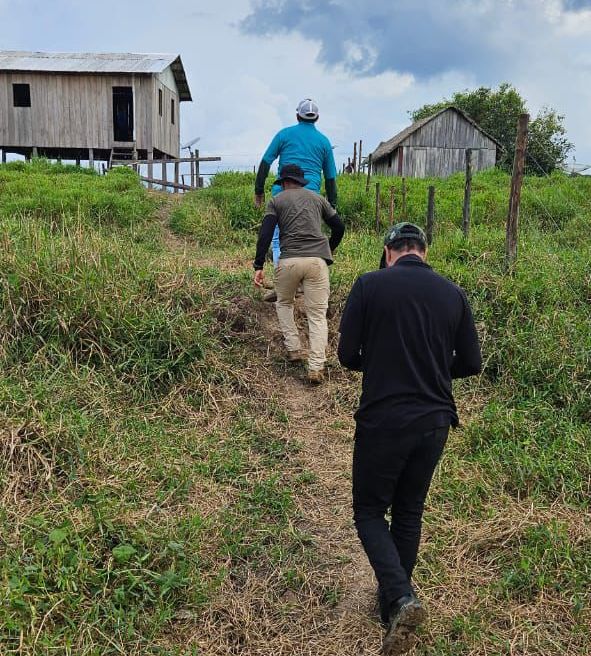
515,196
467,194
368,173
360,145
3,156
354,157
392,205
150,167
404,212
430,215
378,207
176,176
164,174
197,175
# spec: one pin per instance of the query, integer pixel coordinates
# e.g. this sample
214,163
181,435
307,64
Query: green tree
497,111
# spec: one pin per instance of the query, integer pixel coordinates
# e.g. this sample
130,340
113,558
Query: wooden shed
91,106
436,147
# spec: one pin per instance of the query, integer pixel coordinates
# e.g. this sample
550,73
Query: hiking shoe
406,614
295,356
316,376
270,297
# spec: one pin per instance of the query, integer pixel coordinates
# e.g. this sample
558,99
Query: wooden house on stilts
91,106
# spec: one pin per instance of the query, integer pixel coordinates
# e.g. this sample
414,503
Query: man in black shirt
410,331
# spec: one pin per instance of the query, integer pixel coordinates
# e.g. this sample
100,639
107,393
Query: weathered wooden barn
91,106
436,147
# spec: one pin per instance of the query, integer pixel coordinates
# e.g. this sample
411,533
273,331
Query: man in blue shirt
304,145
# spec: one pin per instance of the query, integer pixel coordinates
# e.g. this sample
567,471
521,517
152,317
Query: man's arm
330,185
271,154
330,175
467,358
264,240
351,329
337,230
259,183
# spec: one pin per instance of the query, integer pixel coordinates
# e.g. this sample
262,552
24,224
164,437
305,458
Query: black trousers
393,472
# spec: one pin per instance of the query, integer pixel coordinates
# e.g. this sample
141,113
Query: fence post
176,176
377,207
164,174
430,215
150,168
515,196
368,173
392,205
404,212
354,157
197,174
467,194
360,146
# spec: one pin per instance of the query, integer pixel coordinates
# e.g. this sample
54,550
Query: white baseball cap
308,110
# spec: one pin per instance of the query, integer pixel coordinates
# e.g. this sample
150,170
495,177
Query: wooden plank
166,183
176,177
175,159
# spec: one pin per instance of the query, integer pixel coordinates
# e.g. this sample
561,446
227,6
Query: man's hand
259,200
259,278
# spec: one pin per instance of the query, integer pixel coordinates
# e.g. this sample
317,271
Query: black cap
291,172
401,231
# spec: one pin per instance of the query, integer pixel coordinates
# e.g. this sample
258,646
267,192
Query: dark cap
405,231
291,172
402,231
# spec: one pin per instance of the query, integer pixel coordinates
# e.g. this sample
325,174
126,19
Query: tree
497,112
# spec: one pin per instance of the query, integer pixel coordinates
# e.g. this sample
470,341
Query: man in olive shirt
305,256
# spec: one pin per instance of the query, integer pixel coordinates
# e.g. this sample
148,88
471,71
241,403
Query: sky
367,64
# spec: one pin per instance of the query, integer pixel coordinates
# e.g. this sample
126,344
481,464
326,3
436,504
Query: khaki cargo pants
312,273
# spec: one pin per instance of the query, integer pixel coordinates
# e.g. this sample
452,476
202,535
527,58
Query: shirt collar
411,259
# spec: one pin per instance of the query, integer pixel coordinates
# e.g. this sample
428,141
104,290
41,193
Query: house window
172,110
159,102
21,95
390,161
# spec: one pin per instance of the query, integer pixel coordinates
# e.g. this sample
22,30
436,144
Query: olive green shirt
300,213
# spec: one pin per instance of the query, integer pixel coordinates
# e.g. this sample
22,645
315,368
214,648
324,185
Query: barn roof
96,62
387,147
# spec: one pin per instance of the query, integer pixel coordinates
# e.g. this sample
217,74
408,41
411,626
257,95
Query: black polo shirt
410,331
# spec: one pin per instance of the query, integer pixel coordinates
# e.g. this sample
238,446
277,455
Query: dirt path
333,613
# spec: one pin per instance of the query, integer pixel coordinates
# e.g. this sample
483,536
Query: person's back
300,213
415,317
303,144
410,331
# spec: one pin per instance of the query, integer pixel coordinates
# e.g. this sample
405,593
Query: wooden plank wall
438,149
76,111
166,134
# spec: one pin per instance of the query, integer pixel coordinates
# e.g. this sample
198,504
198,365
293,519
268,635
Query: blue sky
366,64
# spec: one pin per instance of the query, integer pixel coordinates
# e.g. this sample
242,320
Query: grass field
168,485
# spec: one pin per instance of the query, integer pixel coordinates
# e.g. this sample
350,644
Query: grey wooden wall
438,149
76,111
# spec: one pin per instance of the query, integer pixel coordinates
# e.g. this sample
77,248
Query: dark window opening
123,113
390,161
160,102
21,94
172,110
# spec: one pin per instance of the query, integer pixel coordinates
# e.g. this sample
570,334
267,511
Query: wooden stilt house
91,106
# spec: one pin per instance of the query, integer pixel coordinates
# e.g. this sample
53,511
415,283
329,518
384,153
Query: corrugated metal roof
96,62
387,147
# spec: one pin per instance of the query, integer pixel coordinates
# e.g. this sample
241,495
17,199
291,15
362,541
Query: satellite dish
190,143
